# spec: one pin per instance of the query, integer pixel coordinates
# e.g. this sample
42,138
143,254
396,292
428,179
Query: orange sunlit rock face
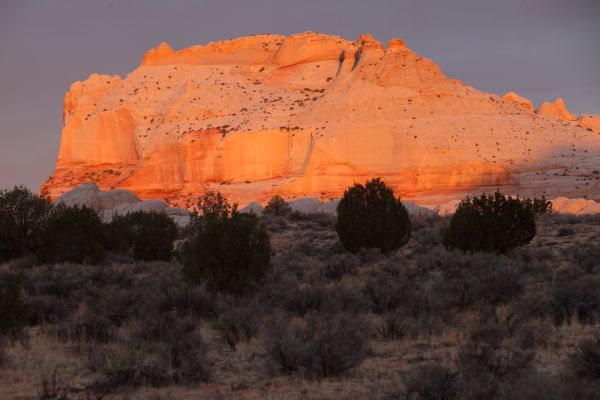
556,109
307,115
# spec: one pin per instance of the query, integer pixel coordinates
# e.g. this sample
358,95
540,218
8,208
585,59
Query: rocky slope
307,115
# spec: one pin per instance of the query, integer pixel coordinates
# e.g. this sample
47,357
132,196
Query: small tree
540,205
21,216
370,216
227,250
142,235
277,206
72,234
493,223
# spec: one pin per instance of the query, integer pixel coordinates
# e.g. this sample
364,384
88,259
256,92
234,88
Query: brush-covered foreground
421,323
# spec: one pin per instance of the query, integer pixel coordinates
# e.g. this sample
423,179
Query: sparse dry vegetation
422,322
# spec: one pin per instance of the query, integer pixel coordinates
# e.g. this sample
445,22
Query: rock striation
307,115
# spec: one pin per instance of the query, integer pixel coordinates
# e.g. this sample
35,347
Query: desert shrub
319,345
585,255
238,323
346,299
143,236
533,306
91,326
339,265
55,292
72,234
228,250
162,350
388,291
532,335
472,281
370,216
562,232
185,300
299,299
180,345
393,326
14,309
585,359
433,382
130,365
304,298
116,303
22,214
493,223
277,206
534,386
52,387
486,360
315,220
575,295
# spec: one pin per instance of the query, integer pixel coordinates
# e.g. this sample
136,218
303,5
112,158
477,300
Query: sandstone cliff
305,116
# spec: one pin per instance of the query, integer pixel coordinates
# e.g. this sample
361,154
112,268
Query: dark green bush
21,216
540,205
370,216
142,235
227,250
493,223
72,234
277,206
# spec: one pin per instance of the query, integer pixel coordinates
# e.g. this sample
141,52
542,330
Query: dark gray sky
540,48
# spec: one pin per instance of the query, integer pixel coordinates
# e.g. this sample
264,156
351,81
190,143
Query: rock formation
308,115
556,109
520,100
118,202
590,122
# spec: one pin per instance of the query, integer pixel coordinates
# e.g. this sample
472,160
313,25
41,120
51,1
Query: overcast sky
540,48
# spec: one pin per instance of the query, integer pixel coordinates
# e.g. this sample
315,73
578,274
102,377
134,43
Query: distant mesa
307,115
